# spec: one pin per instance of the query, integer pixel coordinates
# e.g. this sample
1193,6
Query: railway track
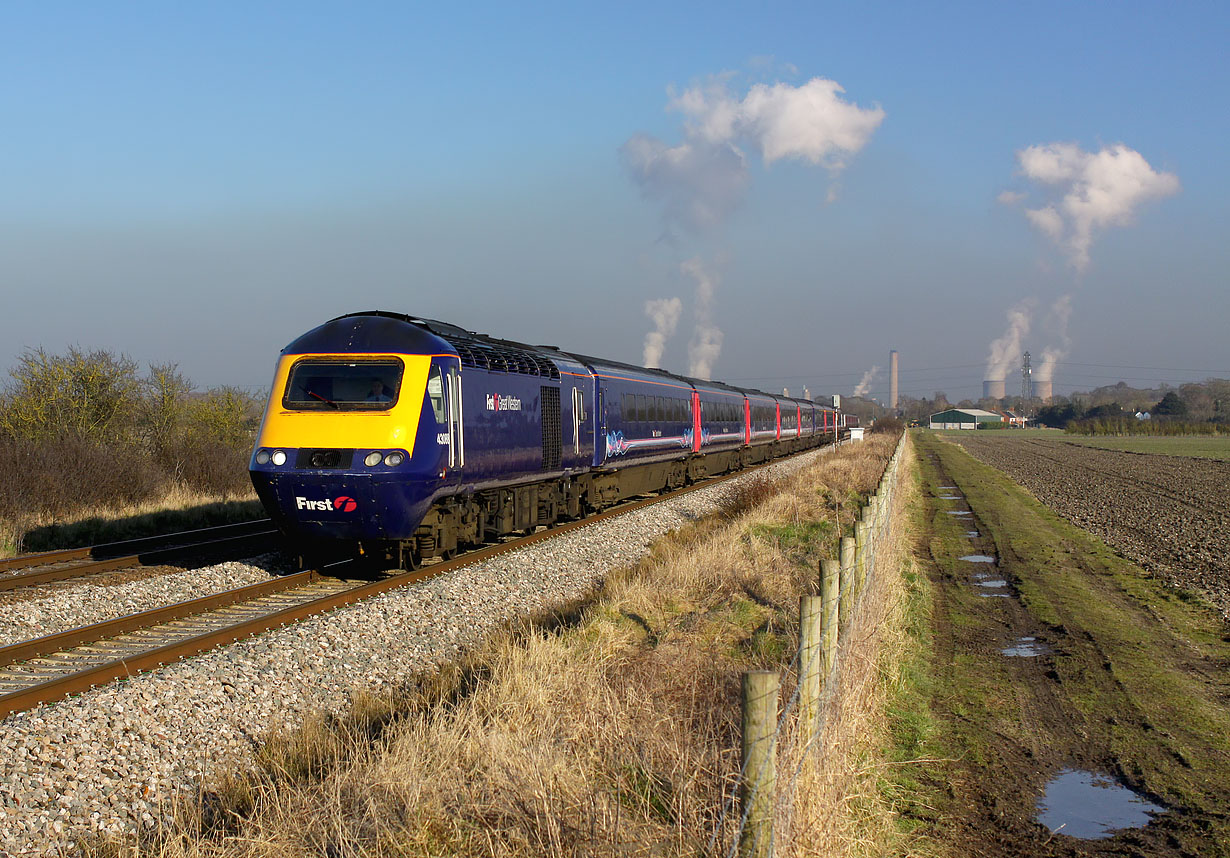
46,669
54,566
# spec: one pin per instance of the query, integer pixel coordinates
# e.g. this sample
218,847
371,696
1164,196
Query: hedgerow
86,430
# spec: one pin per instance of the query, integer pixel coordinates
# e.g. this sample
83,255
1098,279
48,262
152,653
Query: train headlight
373,459
278,457
262,457
394,459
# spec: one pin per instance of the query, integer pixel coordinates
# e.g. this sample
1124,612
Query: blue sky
201,183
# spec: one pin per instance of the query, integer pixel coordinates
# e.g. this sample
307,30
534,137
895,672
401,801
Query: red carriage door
695,422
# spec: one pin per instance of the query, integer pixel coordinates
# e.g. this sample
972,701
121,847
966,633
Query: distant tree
1170,406
162,411
87,395
1109,409
1058,415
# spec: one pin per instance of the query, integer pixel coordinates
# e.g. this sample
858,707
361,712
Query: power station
892,379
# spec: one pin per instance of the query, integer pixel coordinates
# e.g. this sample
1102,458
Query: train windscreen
324,385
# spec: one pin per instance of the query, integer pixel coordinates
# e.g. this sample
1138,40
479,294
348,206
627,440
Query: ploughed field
1169,514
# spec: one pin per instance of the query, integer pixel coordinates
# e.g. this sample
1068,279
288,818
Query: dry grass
49,483
176,508
613,730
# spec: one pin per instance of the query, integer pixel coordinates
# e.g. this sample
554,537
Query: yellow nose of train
349,445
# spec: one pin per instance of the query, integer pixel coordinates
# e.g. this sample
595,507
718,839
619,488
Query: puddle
946,488
959,512
972,534
978,558
1092,806
995,595
950,497
993,583
1026,648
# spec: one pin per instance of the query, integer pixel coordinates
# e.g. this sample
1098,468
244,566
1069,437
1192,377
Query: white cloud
1096,190
699,184
810,122
1047,220
1010,198
703,179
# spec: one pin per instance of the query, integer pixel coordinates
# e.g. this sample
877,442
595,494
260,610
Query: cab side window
435,392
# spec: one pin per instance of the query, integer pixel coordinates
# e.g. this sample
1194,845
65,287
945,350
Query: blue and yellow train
402,438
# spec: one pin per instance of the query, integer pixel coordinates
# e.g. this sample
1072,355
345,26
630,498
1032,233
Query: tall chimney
892,379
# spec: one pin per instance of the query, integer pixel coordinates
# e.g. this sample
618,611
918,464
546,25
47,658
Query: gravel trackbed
110,759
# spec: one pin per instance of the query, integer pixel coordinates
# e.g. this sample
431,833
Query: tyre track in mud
1169,514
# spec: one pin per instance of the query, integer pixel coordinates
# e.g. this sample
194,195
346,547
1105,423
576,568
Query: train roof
478,350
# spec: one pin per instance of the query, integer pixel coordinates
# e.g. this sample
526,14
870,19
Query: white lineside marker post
830,598
759,763
810,663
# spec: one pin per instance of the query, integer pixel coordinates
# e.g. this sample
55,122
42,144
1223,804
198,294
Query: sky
772,195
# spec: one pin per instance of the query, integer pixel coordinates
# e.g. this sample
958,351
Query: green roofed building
963,418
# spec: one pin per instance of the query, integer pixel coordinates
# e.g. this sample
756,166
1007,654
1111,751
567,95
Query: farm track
30,570
47,669
1169,514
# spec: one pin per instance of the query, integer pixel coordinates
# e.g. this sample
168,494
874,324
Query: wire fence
761,800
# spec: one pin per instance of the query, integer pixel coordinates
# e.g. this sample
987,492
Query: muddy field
1169,514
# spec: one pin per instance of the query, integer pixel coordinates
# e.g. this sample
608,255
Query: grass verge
610,728
1134,683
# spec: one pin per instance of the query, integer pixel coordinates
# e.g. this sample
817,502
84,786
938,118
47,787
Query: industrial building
963,418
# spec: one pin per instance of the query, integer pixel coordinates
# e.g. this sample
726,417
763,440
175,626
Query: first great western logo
496,402
341,503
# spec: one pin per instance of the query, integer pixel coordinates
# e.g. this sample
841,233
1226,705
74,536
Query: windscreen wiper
322,399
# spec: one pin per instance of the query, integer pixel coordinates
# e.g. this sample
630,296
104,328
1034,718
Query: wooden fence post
849,560
759,763
810,665
830,597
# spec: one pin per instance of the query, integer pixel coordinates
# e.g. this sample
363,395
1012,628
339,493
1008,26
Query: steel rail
75,683
61,641
147,558
131,547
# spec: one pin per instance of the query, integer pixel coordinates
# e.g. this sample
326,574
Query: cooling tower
1043,390
892,379
994,389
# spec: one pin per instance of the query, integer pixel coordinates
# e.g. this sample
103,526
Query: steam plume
1095,191
865,384
701,180
1060,314
1006,349
664,313
706,342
